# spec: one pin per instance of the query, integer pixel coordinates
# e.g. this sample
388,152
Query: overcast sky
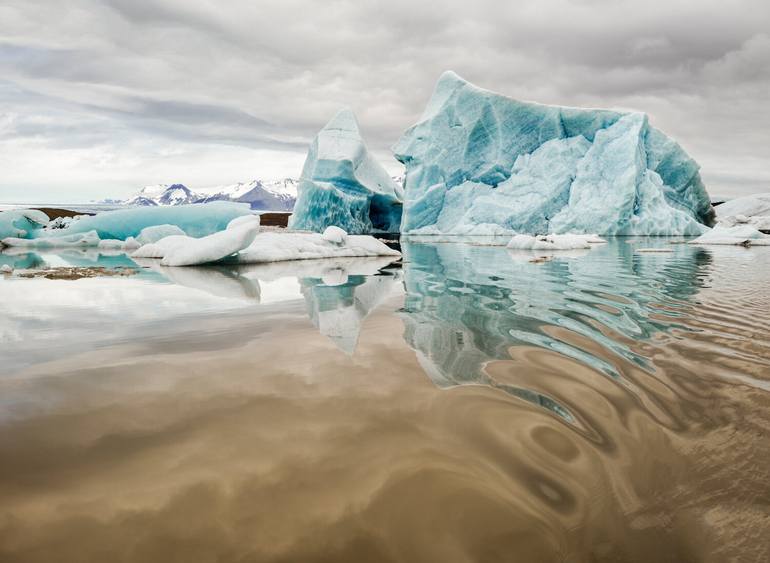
98,98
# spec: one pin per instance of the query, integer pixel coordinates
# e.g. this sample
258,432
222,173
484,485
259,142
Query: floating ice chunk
275,247
157,232
342,184
334,235
213,247
160,248
553,242
477,157
21,223
749,206
753,210
243,220
6,269
196,220
86,239
745,235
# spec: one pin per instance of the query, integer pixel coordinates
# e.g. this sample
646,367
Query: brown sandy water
471,406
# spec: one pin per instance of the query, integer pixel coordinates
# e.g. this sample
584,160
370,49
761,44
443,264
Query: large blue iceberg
343,185
196,220
481,163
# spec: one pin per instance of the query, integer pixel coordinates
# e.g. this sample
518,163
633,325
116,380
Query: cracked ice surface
343,185
480,161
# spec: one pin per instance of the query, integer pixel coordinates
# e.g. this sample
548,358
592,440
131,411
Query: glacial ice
181,250
741,234
157,232
343,185
751,206
21,223
753,210
334,235
197,220
277,246
477,158
162,247
553,242
211,248
76,240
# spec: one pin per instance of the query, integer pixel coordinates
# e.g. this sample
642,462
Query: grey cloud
268,75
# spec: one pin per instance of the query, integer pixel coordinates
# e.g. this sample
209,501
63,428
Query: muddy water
471,404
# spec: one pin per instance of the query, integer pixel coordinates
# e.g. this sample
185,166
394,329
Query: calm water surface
469,404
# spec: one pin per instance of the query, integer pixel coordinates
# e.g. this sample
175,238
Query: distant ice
743,234
554,242
278,246
196,220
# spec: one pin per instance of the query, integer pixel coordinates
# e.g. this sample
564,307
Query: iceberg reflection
467,305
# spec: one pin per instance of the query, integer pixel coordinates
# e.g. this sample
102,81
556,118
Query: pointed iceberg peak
480,162
343,185
343,120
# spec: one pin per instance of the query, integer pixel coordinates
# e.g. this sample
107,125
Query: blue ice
480,163
196,220
343,185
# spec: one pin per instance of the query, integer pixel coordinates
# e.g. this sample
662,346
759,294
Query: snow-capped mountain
268,195
275,195
164,194
265,195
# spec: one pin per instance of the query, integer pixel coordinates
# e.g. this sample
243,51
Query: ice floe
742,234
554,242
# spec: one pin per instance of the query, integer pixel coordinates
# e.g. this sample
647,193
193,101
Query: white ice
180,250
745,235
278,246
553,242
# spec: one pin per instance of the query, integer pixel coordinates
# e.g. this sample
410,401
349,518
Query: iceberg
277,247
181,250
196,220
89,238
481,162
753,210
343,185
741,234
21,223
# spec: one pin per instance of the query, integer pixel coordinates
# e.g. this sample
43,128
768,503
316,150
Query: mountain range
266,195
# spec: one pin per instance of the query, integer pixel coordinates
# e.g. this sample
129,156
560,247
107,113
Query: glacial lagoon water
467,403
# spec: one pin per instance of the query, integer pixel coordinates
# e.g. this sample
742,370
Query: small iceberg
742,235
342,184
181,250
21,223
277,247
196,220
